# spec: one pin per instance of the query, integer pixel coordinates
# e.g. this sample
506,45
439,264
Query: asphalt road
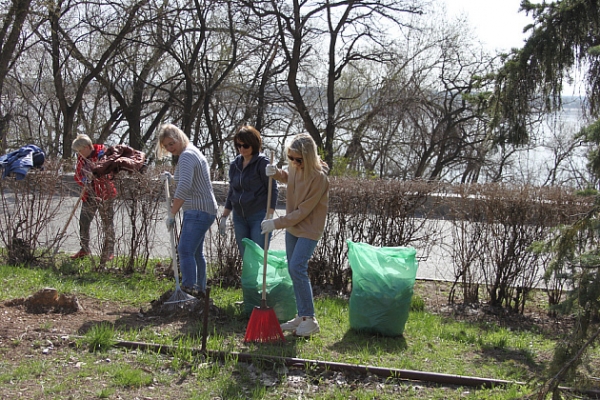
432,263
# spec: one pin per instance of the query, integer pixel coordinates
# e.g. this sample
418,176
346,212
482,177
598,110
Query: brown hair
249,135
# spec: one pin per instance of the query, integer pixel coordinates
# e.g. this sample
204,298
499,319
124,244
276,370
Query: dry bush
36,211
224,264
29,207
139,206
379,212
140,210
494,227
141,203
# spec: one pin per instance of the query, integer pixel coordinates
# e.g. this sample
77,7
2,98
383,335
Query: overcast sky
497,22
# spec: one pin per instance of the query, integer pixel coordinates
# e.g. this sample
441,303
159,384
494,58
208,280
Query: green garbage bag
383,279
280,290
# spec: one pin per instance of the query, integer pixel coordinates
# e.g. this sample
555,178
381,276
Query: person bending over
98,195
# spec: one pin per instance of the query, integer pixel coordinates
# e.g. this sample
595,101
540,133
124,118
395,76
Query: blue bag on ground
383,279
280,290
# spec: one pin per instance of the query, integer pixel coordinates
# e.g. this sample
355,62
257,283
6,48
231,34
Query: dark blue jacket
19,162
248,186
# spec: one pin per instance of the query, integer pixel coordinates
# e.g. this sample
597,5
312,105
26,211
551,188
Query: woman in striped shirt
195,197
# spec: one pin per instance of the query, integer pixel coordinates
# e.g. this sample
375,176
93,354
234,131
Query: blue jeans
299,251
249,227
191,248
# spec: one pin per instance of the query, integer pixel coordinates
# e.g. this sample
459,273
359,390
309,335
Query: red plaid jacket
104,189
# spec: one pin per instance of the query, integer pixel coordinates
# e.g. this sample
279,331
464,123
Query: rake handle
263,300
64,229
172,237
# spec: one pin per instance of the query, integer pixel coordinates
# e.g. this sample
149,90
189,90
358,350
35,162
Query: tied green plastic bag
383,279
280,290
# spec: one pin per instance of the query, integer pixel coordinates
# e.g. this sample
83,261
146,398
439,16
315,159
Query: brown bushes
484,231
27,206
494,227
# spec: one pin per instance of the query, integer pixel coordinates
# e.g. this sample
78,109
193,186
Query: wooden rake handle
263,301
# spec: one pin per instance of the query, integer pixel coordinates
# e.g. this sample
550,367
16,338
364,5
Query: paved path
432,265
435,261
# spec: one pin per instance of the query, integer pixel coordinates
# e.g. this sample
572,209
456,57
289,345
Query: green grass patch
136,289
129,377
430,343
100,337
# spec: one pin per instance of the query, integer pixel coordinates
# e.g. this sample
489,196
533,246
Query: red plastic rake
263,326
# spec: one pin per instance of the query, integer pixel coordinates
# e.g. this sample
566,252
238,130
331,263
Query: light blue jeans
191,248
249,227
299,251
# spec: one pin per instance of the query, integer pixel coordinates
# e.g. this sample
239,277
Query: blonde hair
304,145
169,131
81,142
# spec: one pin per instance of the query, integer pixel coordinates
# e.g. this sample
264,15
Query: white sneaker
309,326
291,324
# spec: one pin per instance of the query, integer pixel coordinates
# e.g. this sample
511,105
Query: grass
136,289
430,343
100,337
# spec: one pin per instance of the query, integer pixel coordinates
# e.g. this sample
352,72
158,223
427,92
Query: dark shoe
80,254
194,292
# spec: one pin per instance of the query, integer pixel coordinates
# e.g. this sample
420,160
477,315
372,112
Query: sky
498,23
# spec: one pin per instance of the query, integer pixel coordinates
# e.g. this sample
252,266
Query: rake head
179,298
263,326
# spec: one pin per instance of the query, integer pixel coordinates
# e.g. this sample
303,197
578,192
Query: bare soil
23,332
20,323
535,314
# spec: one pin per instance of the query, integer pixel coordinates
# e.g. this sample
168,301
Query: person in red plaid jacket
97,196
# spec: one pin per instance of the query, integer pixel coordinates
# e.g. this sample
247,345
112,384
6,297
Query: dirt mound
45,301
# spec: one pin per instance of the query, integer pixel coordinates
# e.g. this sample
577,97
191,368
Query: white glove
170,221
223,225
268,225
166,176
270,170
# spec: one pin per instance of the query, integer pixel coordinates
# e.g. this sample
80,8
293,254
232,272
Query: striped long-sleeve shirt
193,182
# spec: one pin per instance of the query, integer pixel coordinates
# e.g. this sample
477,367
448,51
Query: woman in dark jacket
248,186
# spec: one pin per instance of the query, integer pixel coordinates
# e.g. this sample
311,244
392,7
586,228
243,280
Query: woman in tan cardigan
304,222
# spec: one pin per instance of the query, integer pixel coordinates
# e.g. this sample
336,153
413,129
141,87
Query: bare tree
137,77
206,54
424,115
346,32
78,57
10,32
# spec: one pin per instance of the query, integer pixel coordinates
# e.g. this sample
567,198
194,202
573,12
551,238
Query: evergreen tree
564,38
